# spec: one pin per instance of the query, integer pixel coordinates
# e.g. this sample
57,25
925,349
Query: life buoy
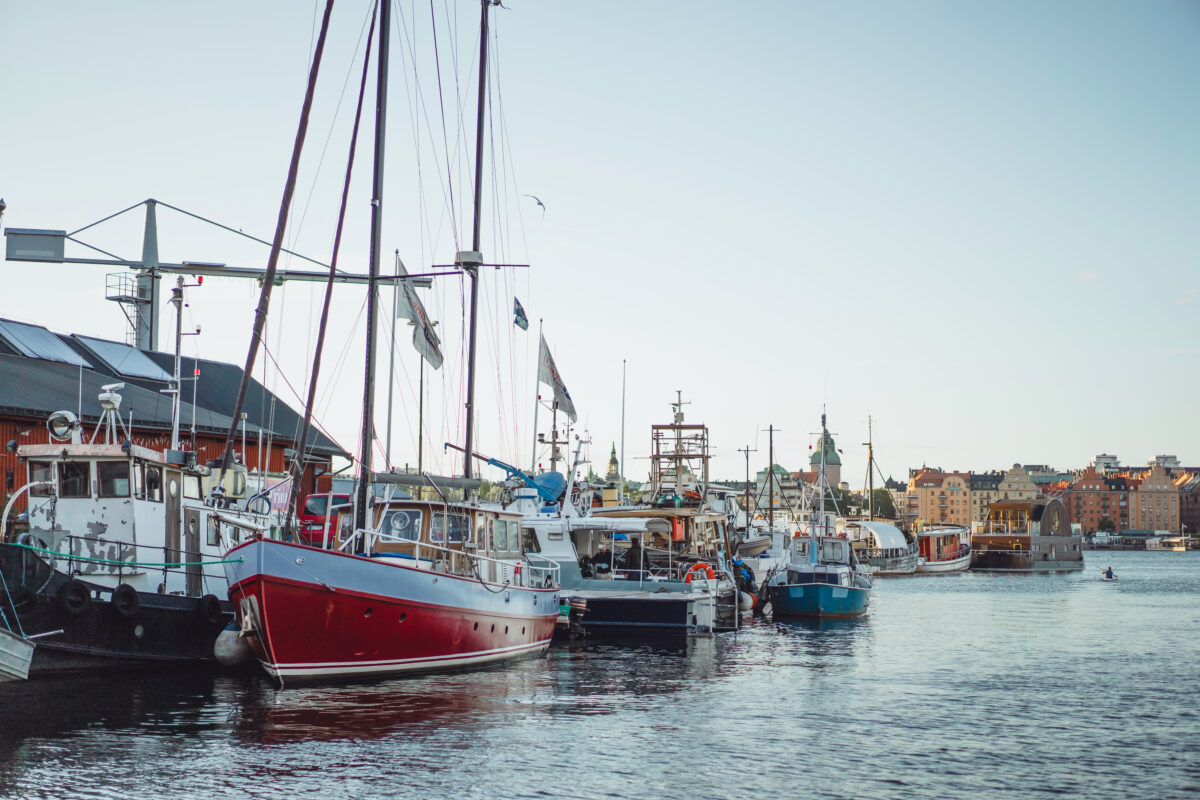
125,600
699,566
209,609
74,597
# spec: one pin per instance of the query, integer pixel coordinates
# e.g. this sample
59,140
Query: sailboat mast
870,474
771,477
473,269
364,467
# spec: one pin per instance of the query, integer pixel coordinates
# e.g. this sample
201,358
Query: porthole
476,627
505,630
493,627
403,616
368,612
173,487
522,630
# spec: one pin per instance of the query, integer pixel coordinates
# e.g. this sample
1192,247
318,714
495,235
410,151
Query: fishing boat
635,570
944,548
823,577
407,585
121,556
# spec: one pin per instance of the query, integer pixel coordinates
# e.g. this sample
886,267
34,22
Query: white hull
16,653
953,565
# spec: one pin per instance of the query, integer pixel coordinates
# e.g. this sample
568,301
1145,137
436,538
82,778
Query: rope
16,616
71,557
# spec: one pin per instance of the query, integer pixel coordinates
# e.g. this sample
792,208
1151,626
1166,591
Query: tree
884,507
1106,525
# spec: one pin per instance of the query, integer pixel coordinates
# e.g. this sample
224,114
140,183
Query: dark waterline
958,686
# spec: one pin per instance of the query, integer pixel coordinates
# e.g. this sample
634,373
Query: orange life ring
700,566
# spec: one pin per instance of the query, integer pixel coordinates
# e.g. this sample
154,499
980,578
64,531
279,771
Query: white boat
882,547
944,548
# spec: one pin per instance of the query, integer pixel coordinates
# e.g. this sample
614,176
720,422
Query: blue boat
822,577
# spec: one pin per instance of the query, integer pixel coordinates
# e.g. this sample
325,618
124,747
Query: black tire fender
74,597
125,600
209,609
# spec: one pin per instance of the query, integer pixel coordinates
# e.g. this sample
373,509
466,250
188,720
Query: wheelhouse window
73,479
514,535
40,471
530,540
191,487
316,505
114,478
449,528
214,531
400,523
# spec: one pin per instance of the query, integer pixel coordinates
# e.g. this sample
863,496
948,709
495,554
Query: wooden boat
16,654
944,548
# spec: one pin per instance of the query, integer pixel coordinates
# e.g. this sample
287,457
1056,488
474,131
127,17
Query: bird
538,200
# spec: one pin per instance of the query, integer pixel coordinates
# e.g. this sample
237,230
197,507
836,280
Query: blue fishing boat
822,577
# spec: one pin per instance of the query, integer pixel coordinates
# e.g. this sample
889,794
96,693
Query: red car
316,510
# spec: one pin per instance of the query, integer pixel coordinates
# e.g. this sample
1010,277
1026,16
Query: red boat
432,587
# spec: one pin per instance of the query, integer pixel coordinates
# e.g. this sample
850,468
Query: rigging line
243,234
106,219
404,380
296,395
297,466
260,316
445,142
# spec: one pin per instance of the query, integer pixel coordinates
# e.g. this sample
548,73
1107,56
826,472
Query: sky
975,223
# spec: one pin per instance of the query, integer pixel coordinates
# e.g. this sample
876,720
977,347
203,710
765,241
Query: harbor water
955,686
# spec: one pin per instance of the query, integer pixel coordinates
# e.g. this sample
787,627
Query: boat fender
700,566
74,597
231,649
209,609
125,600
745,601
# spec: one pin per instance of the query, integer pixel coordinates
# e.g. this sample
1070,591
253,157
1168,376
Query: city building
1189,501
985,490
1169,462
1105,463
1154,501
939,498
786,493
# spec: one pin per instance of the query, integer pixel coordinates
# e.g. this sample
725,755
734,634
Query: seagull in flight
538,200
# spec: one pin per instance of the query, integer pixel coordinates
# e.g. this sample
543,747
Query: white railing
451,561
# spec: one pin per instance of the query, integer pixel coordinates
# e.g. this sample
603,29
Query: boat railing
462,560
95,557
894,553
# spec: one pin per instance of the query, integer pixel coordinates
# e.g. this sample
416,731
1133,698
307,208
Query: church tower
833,462
614,468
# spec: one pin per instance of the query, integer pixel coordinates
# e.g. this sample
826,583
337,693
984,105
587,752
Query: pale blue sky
976,222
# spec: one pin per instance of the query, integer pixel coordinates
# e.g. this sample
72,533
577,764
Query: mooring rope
71,557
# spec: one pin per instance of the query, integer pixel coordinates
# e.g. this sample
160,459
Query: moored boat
944,548
882,547
822,577
431,586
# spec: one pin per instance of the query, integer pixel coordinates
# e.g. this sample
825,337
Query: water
958,686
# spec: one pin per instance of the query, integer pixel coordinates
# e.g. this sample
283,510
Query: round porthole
173,487
139,631
403,616
368,612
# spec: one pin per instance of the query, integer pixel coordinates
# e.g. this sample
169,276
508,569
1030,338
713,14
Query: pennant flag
519,318
548,374
410,307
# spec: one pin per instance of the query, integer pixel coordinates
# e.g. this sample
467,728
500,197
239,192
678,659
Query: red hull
309,631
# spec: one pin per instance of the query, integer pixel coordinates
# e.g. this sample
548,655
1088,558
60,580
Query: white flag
548,374
410,307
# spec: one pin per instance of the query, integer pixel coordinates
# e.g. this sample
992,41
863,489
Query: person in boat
633,556
602,561
1108,573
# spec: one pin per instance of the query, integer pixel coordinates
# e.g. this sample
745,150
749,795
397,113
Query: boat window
191,486
833,550
214,531
40,471
114,478
139,483
458,526
154,483
491,535
73,479
530,540
316,504
402,523
514,535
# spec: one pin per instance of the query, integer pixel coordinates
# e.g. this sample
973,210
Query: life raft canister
700,566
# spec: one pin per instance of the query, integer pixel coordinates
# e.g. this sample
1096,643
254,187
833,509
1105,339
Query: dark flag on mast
412,309
519,318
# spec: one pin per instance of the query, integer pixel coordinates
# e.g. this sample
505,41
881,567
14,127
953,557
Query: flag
410,307
548,374
519,318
